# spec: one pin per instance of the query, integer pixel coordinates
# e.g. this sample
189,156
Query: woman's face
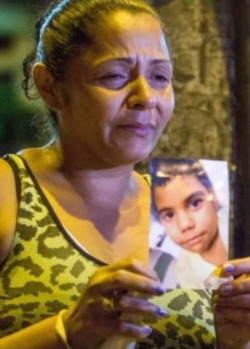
119,93
188,212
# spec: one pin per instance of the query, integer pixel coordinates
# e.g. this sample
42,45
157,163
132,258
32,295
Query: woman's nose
141,96
185,221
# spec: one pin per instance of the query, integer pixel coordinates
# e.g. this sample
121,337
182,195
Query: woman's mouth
138,129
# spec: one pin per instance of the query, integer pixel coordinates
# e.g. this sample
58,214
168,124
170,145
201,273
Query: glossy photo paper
189,232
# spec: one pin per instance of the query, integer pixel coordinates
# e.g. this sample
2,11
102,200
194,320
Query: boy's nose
185,221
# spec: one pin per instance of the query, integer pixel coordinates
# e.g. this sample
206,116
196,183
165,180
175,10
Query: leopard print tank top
46,272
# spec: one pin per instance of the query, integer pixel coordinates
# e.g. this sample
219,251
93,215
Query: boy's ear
47,86
212,196
217,205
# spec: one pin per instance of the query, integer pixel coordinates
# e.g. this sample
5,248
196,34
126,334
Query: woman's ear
47,86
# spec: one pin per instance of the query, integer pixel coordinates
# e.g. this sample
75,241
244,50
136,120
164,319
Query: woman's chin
135,158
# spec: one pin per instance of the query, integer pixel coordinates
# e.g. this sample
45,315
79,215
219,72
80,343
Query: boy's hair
163,170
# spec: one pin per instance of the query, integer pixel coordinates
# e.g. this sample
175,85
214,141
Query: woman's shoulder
35,157
8,208
7,182
37,161
43,162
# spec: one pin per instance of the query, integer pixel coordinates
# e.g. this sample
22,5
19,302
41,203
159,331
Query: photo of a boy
185,203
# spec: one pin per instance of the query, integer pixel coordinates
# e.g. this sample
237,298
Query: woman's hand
114,302
231,306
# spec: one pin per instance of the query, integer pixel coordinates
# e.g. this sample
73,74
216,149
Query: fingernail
229,268
160,290
147,330
162,312
226,289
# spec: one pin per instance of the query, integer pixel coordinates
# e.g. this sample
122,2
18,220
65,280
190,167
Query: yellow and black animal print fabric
46,271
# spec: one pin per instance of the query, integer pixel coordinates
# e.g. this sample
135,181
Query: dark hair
67,28
163,170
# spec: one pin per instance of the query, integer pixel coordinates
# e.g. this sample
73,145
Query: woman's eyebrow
131,60
160,61
127,60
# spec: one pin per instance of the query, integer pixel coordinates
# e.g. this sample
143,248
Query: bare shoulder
8,208
42,161
7,182
8,196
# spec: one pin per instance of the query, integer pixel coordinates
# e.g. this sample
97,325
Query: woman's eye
160,80
113,76
113,80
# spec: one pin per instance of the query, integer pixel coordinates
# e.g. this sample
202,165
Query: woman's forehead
122,31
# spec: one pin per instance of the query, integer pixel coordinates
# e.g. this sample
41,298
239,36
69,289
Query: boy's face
188,212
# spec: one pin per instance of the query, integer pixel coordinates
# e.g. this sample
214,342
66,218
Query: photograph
189,220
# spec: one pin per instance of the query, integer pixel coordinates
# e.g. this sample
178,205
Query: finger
238,301
133,305
121,280
238,286
132,330
107,318
237,267
110,322
102,309
233,314
135,266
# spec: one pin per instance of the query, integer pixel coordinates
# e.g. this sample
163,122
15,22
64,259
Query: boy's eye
195,203
167,216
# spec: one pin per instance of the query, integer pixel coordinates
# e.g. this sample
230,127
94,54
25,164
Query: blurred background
210,42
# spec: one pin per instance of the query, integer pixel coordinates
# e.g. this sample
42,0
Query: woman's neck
96,195
102,209
112,184
110,187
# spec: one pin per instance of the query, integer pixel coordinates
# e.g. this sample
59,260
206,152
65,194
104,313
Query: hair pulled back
67,28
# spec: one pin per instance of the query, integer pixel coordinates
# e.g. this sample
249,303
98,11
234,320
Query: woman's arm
39,336
8,208
42,334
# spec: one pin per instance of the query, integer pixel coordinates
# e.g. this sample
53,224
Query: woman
184,202
73,228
